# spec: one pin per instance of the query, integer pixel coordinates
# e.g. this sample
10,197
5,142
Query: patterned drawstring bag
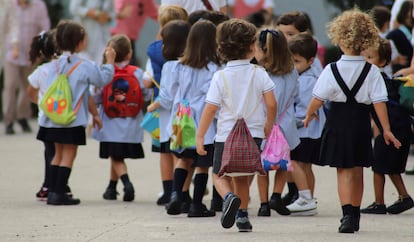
241,156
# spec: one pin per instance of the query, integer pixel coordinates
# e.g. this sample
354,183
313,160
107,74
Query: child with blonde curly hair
354,87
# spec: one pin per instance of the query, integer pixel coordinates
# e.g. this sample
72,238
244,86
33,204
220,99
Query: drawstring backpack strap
227,90
76,109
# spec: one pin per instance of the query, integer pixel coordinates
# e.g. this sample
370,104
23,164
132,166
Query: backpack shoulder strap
73,68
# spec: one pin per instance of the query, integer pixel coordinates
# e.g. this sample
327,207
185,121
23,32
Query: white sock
305,194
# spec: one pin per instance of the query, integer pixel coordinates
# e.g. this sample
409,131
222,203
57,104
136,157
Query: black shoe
356,225
230,207
375,209
199,210
129,193
216,205
185,206
110,194
174,206
264,211
164,199
401,205
25,125
42,194
278,206
409,172
54,198
289,198
9,129
243,224
347,224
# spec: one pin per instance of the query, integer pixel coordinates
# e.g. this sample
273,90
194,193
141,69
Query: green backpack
57,101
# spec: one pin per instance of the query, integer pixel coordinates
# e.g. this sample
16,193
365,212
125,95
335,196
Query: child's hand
200,146
97,122
267,129
390,138
309,118
110,55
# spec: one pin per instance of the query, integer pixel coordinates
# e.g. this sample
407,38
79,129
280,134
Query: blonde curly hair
354,30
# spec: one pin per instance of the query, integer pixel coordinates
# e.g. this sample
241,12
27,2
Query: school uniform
121,138
346,139
388,159
239,75
86,74
286,90
192,84
308,149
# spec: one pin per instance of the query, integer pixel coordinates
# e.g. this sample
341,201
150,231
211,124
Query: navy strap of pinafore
350,94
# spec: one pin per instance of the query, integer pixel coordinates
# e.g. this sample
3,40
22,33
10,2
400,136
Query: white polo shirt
243,91
373,89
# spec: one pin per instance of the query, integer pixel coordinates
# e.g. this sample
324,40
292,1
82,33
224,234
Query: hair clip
263,36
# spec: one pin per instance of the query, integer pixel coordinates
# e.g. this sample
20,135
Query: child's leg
167,173
404,202
292,194
350,190
120,169
197,208
180,176
398,182
241,187
263,187
379,183
187,183
276,202
310,176
62,164
110,192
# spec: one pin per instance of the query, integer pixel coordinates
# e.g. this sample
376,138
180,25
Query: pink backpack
276,152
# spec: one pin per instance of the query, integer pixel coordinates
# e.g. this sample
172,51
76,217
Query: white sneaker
303,207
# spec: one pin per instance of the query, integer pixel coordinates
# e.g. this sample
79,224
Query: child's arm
311,113
153,106
381,110
33,94
207,117
271,110
96,120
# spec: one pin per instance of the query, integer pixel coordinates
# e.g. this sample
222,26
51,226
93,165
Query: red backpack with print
122,97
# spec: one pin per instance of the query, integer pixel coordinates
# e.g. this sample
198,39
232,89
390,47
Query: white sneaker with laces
303,207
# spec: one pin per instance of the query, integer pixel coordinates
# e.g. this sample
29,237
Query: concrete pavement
23,218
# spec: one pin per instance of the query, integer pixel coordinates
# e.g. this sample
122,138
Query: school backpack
56,103
276,151
183,128
241,156
122,97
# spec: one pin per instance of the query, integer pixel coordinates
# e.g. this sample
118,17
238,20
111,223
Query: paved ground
22,218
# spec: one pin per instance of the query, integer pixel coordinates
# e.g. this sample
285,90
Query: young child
236,42
190,80
42,49
292,24
156,61
346,139
121,137
273,54
303,48
71,39
389,160
174,35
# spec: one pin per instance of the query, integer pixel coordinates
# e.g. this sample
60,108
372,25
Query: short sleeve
268,84
36,77
214,93
323,89
377,89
